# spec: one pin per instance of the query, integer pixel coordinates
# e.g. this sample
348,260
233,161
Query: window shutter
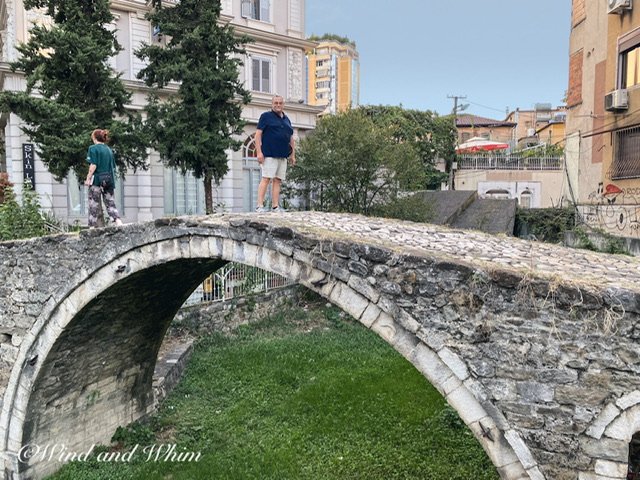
264,11
266,76
247,9
574,96
255,74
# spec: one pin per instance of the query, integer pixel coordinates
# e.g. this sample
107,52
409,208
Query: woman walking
101,179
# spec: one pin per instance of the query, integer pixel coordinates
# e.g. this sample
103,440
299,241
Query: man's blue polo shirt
276,134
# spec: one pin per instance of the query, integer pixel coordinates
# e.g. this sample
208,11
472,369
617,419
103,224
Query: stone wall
209,317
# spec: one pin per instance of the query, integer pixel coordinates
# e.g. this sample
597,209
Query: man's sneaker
278,209
260,210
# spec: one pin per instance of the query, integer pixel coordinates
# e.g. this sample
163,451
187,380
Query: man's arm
292,157
258,142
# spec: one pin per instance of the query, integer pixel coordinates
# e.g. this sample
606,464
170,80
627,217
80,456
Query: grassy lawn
306,394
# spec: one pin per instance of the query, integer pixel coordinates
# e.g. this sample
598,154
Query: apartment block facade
334,76
603,129
532,126
274,64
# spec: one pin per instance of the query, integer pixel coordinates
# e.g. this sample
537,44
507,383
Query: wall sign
28,164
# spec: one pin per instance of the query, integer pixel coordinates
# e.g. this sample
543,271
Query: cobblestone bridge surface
534,345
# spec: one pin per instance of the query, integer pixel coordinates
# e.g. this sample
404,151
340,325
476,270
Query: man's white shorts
273,167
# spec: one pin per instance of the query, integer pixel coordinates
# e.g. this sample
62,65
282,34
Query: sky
498,53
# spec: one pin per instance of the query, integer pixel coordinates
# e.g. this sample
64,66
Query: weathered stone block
625,425
363,287
370,315
520,449
611,469
606,416
501,389
350,301
431,366
605,448
628,400
467,406
405,342
494,443
569,394
535,392
455,363
385,327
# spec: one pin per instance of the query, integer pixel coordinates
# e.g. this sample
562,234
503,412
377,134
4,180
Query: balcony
512,161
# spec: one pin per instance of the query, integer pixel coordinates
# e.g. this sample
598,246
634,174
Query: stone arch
444,369
614,429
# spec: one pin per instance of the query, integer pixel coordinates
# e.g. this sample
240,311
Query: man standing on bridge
275,145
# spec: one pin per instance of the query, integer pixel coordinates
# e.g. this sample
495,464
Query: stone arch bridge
534,345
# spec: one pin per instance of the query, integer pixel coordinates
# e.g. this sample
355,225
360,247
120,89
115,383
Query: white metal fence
236,280
508,162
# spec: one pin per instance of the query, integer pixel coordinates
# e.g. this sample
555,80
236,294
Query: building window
626,154
77,202
630,64
628,60
250,173
261,75
498,193
183,194
256,9
525,198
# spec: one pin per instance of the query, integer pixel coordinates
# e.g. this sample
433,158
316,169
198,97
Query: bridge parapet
534,345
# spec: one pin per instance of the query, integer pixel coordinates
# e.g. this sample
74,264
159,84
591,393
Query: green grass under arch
306,394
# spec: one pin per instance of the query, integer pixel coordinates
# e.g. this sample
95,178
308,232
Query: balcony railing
236,280
508,162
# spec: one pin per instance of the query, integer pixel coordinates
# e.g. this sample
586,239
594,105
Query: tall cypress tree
193,129
66,65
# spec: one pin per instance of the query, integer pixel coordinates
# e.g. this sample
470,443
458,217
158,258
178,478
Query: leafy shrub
605,242
4,183
412,208
21,221
545,224
135,434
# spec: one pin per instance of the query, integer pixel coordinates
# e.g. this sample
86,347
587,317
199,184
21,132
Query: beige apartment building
603,130
333,75
274,63
535,182
529,123
469,126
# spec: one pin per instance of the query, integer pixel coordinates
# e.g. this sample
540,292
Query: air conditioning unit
616,100
617,6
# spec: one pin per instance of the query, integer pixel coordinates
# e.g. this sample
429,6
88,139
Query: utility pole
455,127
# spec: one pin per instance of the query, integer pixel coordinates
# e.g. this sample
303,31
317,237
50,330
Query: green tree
66,64
432,136
350,164
193,129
